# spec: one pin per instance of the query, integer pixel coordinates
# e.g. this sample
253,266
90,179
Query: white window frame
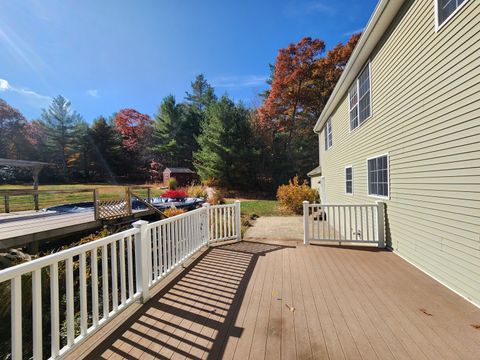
357,104
328,134
438,26
345,174
388,177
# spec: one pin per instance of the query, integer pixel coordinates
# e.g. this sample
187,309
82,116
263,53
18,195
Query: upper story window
328,134
349,180
446,9
378,176
360,99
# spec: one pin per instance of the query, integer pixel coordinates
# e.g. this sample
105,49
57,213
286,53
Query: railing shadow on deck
194,315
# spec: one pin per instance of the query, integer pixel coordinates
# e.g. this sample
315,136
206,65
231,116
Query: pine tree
106,149
82,156
202,94
59,123
209,159
177,125
168,124
225,152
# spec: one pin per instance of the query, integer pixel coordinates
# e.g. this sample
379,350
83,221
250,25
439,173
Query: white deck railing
224,223
344,223
127,264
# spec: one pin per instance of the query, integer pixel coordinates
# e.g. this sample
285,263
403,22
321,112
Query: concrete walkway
276,228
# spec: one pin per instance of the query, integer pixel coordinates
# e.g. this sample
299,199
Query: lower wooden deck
284,300
25,227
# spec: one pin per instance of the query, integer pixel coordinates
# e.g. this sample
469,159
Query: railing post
36,171
128,200
95,204
142,258
206,206
238,222
35,201
306,236
7,204
381,224
149,195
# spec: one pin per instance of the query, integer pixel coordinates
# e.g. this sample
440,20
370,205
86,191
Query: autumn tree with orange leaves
136,130
303,78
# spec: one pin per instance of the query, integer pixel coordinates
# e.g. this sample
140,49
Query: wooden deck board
258,300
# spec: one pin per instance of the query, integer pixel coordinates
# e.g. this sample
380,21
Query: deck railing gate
101,278
344,223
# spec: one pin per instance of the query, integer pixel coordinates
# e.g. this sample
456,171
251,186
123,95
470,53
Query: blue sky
111,54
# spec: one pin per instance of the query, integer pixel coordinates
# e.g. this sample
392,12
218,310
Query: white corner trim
436,279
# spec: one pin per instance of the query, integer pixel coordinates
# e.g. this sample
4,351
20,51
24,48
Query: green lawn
106,192
261,208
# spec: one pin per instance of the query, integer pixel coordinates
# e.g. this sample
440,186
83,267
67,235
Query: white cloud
5,86
92,93
293,9
350,33
321,7
238,81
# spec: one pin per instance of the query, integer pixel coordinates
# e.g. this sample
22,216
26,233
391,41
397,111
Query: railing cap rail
223,205
42,262
320,205
19,192
174,218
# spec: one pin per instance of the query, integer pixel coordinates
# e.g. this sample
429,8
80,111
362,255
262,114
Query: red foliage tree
135,128
12,131
34,132
302,80
291,89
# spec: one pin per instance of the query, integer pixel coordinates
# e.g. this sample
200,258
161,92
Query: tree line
225,142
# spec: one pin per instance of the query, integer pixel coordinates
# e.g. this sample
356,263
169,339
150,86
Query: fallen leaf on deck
426,312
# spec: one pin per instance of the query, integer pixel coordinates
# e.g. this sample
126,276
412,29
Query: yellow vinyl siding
426,116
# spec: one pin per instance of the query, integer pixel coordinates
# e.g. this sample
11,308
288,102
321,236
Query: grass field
261,208
105,192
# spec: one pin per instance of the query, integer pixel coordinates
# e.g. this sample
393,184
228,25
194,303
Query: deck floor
284,300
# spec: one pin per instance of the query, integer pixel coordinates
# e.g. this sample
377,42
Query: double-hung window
328,134
378,176
349,180
446,9
360,99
